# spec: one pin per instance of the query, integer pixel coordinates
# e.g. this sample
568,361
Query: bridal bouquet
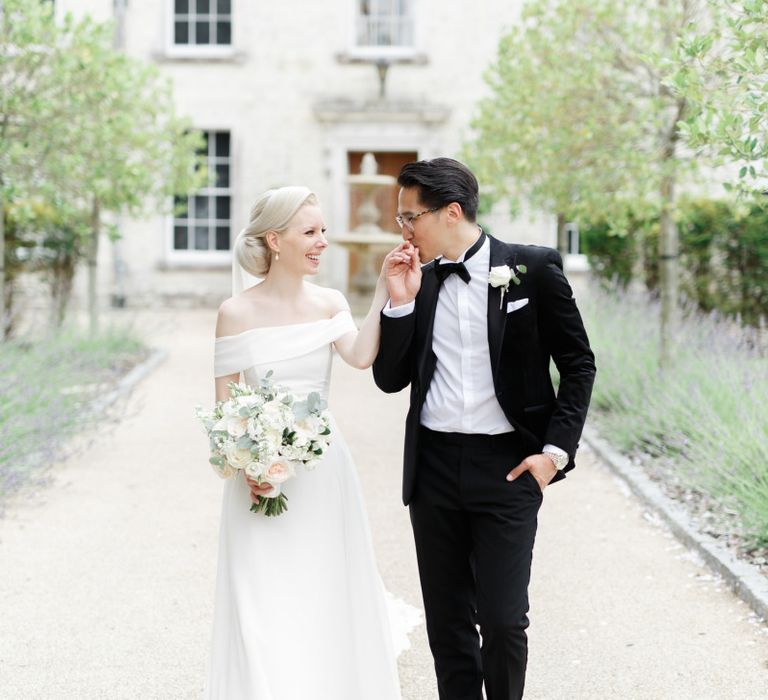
266,432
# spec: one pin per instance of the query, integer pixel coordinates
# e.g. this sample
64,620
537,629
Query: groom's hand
541,466
402,270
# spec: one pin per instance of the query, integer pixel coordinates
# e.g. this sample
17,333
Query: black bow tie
446,269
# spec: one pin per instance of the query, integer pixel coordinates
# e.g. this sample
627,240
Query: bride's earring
277,256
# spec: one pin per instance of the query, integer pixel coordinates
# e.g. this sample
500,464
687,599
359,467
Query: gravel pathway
107,575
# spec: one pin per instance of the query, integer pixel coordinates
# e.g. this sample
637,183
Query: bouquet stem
271,506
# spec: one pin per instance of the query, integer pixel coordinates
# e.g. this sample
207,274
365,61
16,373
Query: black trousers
474,534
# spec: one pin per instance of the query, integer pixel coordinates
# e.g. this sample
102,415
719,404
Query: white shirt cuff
555,449
398,311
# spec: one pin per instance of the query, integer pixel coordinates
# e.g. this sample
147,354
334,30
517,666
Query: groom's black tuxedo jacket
520,344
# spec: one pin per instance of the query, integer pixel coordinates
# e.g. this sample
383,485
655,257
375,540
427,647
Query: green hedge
723,256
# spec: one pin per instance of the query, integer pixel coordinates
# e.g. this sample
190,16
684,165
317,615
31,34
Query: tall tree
583,117
85,126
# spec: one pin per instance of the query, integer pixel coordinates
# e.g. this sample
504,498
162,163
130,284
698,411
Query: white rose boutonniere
500,277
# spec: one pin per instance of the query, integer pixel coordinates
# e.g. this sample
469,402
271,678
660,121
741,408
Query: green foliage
611,256
723,249
84,130
708,415
728,80
81,121
580,119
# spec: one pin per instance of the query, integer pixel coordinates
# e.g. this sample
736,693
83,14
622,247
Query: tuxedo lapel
425,321
497,308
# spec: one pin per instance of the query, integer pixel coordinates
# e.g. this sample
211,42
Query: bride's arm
222,384
226,324
360,349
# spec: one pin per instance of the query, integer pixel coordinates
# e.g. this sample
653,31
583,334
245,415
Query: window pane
202,33
222,175
203,7
180,238
201,207
201,238
204,223
222,238
181,33
222,144
223,33
224,6
222,208
181,6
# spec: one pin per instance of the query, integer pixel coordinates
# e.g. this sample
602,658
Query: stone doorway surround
377,126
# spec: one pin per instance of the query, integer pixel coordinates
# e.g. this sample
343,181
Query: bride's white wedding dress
300,611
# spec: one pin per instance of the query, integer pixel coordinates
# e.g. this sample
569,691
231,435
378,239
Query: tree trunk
668,272
637,284
92,260
562,235
63,272
3,317
9,270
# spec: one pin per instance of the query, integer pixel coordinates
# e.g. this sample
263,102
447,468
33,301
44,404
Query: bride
300,609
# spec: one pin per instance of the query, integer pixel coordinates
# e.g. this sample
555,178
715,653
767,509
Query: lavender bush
46,383
707,416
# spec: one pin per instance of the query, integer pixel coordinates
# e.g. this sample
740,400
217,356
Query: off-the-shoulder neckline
285,325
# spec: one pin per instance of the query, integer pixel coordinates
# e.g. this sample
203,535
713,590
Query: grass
705,419
47,386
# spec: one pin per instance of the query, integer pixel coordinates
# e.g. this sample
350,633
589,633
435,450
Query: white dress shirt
461,397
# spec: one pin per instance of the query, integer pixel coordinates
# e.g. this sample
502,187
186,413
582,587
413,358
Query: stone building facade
294,92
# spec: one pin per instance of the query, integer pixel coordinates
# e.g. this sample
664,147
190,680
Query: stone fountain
367,238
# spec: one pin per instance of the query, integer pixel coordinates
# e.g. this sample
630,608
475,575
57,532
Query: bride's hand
402,271
257,489
395,256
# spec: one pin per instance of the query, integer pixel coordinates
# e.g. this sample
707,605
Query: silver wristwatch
559,460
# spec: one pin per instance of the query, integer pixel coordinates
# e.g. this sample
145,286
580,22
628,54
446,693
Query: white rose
223,470
274,415
255,469
251,400
310,425
279,471
499,276
301,441
272,440
239,459
294,453
233,424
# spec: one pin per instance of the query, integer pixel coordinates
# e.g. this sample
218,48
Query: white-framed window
202,222
384,27
200,27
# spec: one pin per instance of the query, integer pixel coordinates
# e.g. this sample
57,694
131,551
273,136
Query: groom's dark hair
441,181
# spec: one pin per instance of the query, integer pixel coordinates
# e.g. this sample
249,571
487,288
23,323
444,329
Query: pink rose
279,471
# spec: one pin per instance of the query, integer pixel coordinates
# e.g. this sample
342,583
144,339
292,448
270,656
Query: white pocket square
515,305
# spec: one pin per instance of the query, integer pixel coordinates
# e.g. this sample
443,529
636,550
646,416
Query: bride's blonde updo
272,211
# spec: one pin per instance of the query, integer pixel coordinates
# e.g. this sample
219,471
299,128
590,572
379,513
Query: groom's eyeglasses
408,220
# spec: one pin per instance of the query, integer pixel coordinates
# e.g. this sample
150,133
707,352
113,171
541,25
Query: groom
486,431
